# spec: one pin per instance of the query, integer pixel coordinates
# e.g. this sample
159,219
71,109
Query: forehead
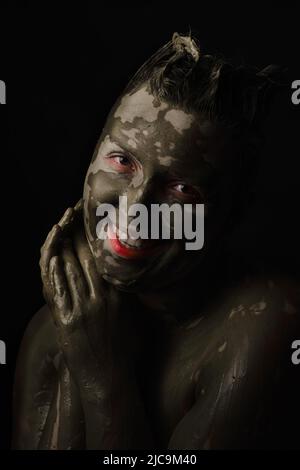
143,106
156,128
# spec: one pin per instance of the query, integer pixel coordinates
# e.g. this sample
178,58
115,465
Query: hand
93,338
84,307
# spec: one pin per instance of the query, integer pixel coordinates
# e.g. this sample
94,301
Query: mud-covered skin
235,357
200,363
92,358
215,381
169,145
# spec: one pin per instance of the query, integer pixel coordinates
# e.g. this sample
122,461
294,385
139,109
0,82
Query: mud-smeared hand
84,307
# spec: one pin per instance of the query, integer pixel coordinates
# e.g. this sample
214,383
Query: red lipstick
124,250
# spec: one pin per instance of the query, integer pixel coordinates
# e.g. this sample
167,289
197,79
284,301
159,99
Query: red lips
125,251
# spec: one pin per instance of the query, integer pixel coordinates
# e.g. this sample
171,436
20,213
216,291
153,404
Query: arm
39,372
91,336
64,427
247,392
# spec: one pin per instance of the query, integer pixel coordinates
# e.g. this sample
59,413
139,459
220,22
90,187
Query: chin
151,272
122,274
122,285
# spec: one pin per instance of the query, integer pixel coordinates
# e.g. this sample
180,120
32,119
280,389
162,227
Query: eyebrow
190,177
186,178
123,146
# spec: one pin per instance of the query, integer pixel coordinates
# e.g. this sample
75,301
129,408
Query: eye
121,163
186,192
182,188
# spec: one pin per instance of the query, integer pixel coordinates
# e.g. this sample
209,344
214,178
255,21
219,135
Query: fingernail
78,205
66,216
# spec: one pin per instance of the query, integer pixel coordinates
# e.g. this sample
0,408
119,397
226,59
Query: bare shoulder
258,312
243,372
37,356
266,308
39,339
253,360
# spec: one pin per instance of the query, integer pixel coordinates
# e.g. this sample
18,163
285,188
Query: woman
142,343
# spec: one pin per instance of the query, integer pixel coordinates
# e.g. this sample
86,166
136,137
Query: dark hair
180,74
236,96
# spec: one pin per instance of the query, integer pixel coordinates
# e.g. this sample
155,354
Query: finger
67,218
49,248
47,297
74,275
88,264
48,294
59,285
53,236
78,207
78,211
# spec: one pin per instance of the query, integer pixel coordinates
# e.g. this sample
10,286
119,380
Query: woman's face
152,152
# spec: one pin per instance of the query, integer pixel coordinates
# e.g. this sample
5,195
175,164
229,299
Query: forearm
64,427
113,410
115,418
94,341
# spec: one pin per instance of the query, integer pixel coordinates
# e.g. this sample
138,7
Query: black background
63,71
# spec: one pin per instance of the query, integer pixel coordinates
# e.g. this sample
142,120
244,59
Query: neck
186,297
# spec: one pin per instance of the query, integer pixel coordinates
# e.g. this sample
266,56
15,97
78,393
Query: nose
147,193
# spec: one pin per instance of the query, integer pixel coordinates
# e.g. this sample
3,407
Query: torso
191,361
207,356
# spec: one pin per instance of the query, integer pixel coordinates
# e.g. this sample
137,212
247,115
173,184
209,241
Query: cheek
89,221
93,195
104,187
99,188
